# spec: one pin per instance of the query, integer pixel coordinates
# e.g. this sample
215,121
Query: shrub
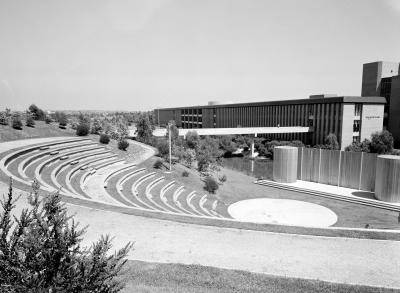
185,174
104,138
157,164
382,142
82,129
16,122
48,120
222,178
3,118
163,148
123,144
30,122
210,184
41,250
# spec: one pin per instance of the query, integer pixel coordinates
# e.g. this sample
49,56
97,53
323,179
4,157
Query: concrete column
285,164
387,178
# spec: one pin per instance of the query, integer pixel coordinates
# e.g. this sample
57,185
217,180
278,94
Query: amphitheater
170,222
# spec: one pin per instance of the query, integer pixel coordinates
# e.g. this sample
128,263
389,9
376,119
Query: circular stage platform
282,211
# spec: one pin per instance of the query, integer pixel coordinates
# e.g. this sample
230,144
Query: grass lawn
240,186
156,277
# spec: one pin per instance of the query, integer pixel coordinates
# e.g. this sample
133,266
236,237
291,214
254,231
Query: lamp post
169,142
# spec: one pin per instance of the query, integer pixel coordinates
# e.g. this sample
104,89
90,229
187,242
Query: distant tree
122,130
227,145
3,118
62,119
97,127
29,121
16,122
48,119
208,154
192,139
331,142
382,142
37,113
40,250
144,129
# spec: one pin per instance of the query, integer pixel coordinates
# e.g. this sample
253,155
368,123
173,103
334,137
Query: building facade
383,79
349,118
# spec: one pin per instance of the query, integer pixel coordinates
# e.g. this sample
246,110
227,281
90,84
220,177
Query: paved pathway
354,261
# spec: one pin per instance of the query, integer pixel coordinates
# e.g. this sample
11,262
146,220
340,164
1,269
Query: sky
140,55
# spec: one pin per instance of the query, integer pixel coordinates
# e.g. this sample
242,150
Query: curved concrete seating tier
59,173
117,171
83,169
44,167
26,156
5,161
73,177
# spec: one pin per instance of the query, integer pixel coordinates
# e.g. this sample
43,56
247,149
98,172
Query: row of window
192,111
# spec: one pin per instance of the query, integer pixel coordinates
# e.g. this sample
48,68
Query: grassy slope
41,129
155,277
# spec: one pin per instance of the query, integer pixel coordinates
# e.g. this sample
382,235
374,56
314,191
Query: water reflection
257,168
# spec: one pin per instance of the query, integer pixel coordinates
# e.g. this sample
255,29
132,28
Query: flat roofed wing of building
342,99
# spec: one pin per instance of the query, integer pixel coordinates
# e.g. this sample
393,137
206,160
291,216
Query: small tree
29,121
144,129
37,113
163,148
210,184
40,251
16,122
382,142
331,142
192,139
62,119
123,144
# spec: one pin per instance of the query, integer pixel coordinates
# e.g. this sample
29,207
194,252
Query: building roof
342,99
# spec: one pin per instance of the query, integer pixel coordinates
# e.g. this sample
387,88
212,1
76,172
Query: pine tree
40,251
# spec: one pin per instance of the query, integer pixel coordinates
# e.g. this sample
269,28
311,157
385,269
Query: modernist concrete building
383,79
350,118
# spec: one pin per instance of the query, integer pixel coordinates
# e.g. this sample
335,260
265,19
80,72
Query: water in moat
258,168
